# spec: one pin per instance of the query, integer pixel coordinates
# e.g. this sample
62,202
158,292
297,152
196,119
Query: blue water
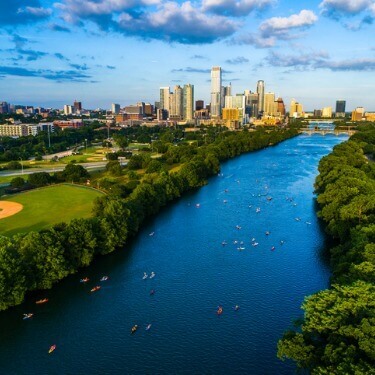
195,274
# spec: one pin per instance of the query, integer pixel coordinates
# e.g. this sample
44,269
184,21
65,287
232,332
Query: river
194,274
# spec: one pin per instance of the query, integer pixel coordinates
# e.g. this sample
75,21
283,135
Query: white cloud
75,9
278,28
336,8
36,12
235,8
281,25
181,23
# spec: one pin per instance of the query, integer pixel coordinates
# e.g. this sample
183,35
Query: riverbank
40,259
337,333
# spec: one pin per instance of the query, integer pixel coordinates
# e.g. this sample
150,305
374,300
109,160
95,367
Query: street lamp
85,146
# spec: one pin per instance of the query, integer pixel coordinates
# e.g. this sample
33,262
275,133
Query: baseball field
41,208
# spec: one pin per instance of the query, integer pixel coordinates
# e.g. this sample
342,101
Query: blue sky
104,51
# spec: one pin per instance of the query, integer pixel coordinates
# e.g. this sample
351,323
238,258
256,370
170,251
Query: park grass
91,154
45,207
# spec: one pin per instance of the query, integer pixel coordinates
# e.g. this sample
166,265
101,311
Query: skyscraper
251,102
188,102
164,98
340,108
176,105
280,106
77,106
269,104
115,108
216,91
199,104
260,92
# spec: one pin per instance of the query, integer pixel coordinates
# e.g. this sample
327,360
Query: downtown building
216,92
340,108
260,92
179,105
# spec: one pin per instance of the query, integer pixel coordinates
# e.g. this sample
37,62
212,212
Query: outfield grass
47,206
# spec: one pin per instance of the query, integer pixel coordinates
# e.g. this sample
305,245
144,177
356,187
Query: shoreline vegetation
38,260
337,332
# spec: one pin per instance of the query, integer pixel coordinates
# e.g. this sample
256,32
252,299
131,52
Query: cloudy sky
104,51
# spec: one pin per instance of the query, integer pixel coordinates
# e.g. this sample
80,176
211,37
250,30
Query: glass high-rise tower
340,108
216,91
260,92
188,102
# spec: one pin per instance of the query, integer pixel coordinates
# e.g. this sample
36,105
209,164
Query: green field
47,206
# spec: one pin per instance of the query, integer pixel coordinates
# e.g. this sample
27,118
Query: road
89,166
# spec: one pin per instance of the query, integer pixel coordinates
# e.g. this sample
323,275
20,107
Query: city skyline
123,51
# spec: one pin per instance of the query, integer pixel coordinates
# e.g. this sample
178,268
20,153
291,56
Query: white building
216,91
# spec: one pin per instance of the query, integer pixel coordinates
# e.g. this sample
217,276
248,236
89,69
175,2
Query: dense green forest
37,260
337,333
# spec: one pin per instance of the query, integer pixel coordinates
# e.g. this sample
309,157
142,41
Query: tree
14,165
75,173
154,166
338,330
39,179
12,278
17,182
121,141
135,162
114,168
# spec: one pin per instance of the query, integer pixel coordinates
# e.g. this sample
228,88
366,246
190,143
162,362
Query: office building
161,114
269,104
14,131
317,113
340,108
216,90
251,103
199,105
188,102
77,106
69,124
358,114
237,102
176,103
4,107
68,110
280,107
296,109
260,92
133,110
149,109
23,130
232,117
164,98
115,108
327,112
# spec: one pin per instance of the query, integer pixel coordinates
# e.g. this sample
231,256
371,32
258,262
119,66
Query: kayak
95,288
44,300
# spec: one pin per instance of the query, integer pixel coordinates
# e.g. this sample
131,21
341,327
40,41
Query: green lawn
47,206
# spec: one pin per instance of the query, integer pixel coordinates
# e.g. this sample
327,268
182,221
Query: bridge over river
340,131
324,127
